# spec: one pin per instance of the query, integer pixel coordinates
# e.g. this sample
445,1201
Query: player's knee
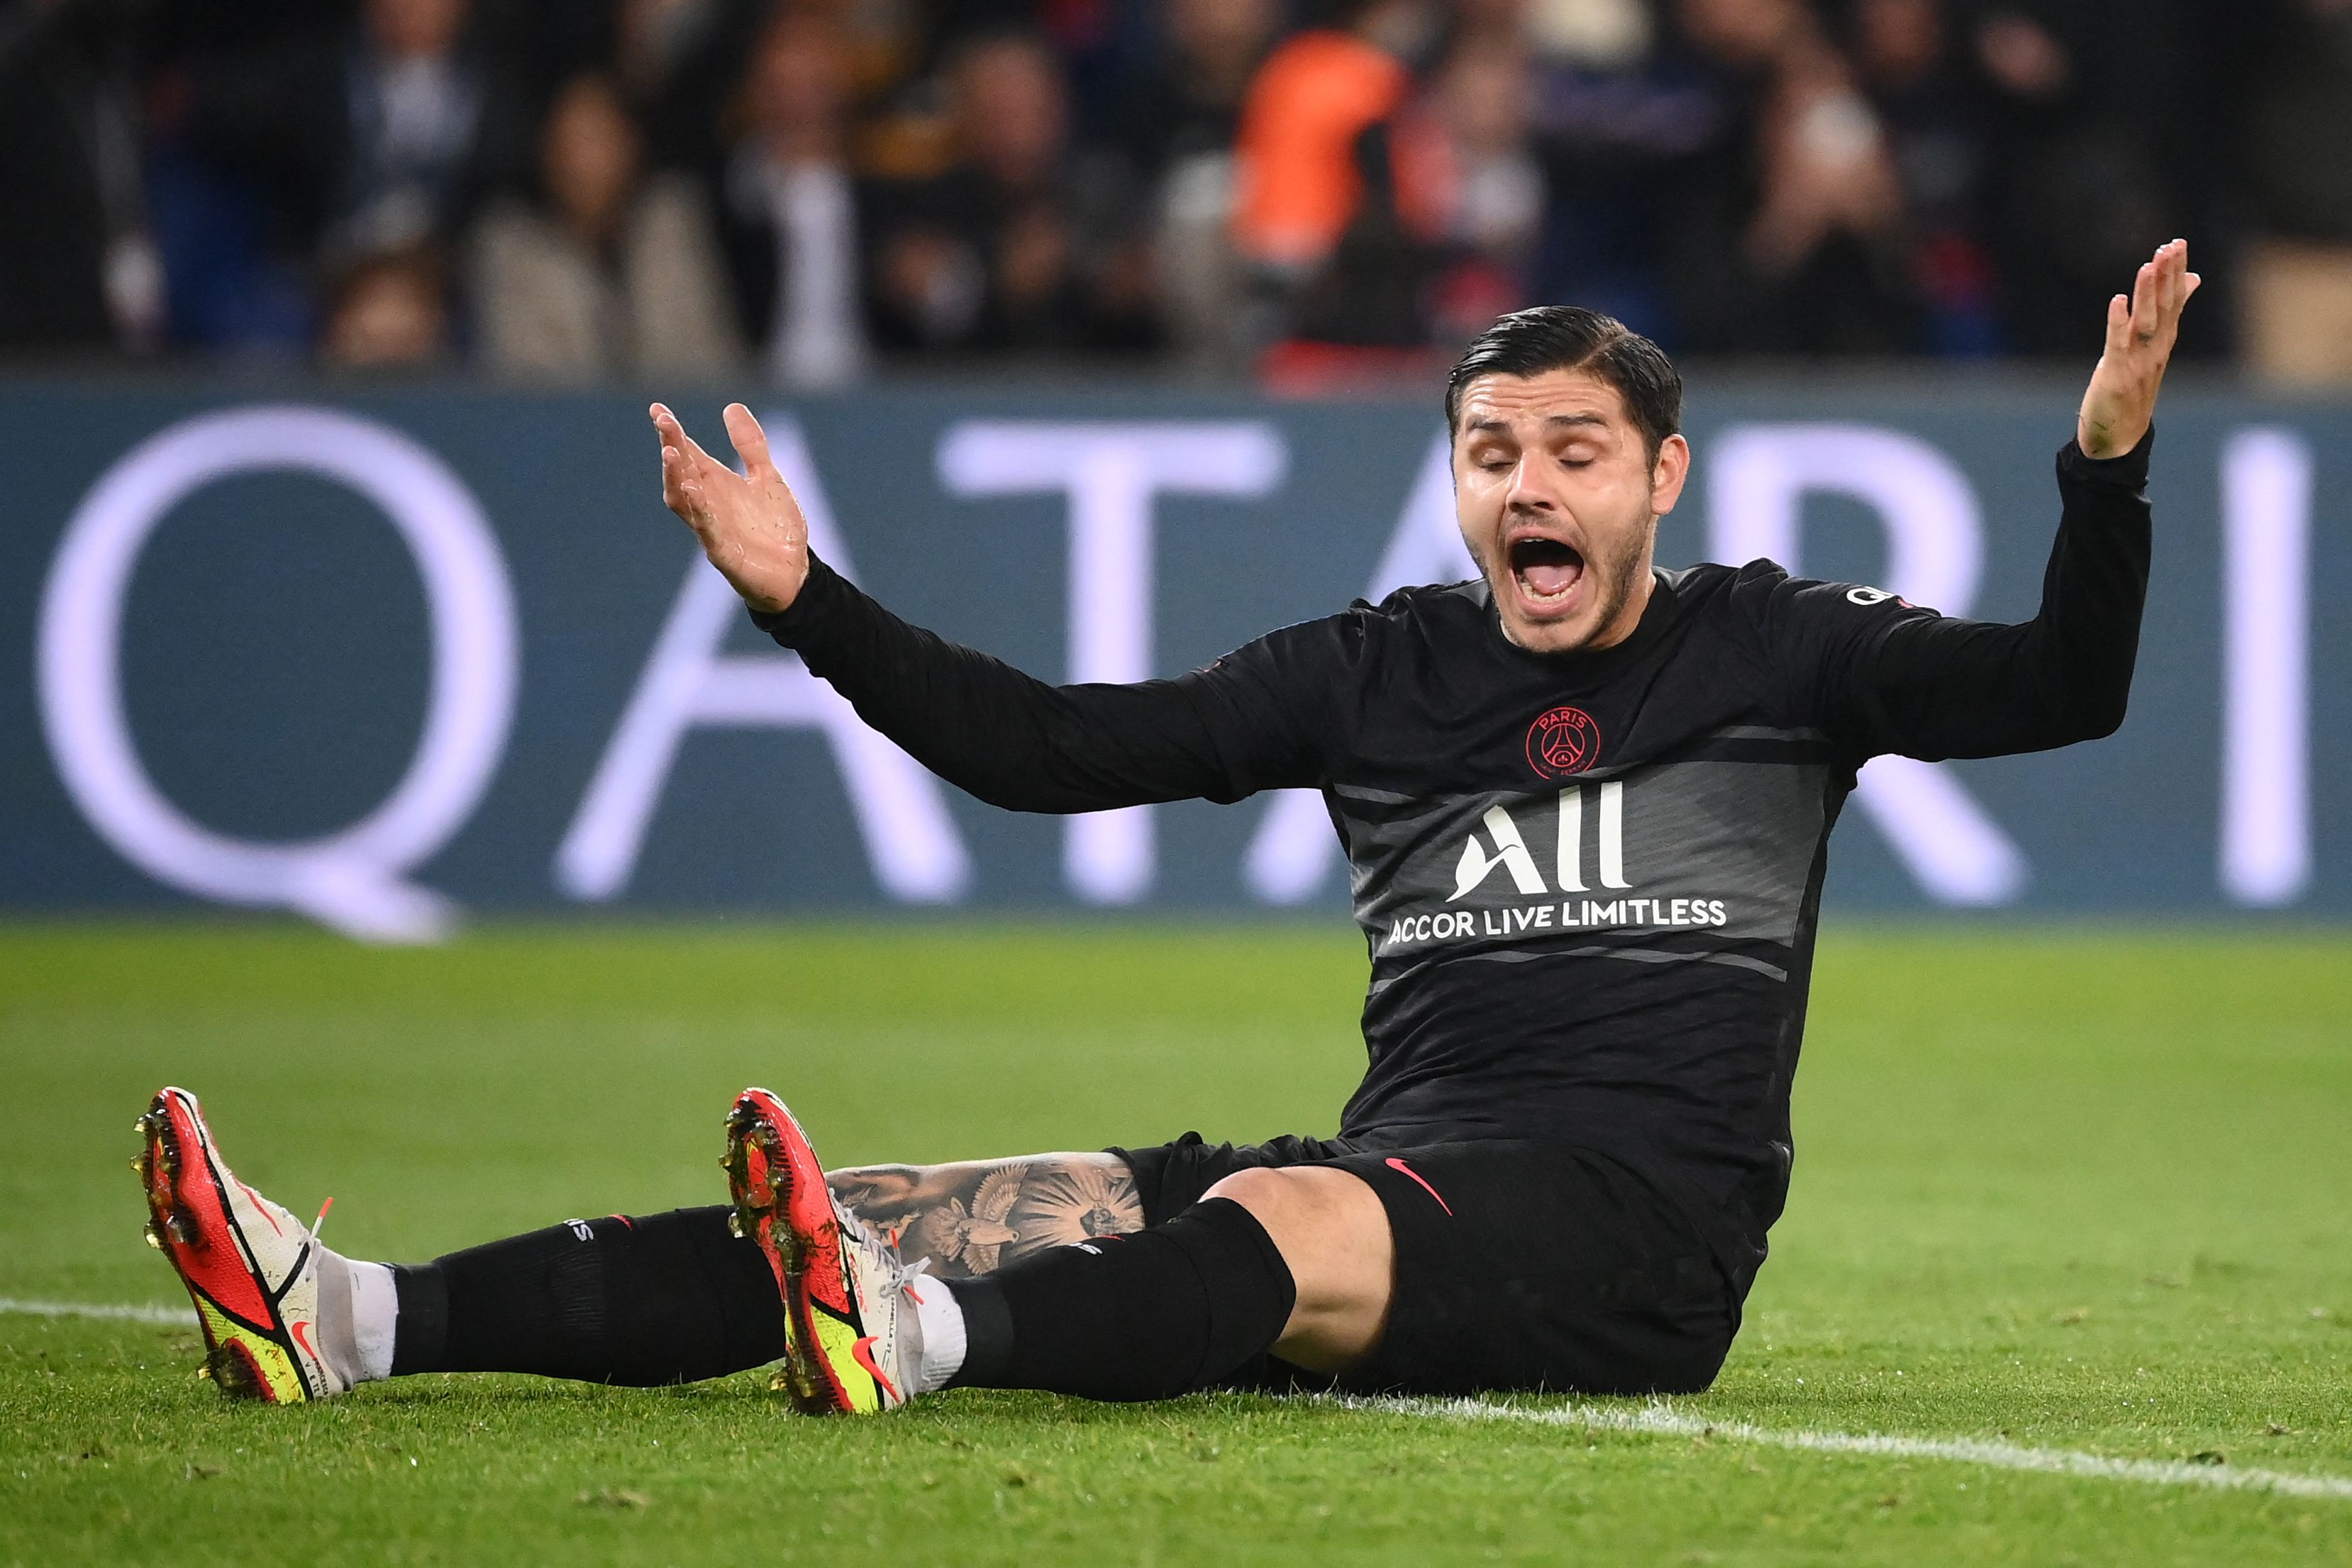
1334,1236
1254,1188
1327,1224
1282,1199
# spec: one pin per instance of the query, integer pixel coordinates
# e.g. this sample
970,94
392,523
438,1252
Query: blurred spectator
2093,158
1187,101
1486,190
2295,87
609,271
1604,34
77,270
1342,248
1907,61
370,138
1025,244
1789,234
791,214
883,42
389,310
1301,169
1489,25
675,60
1355,182
415,106
1624,124
1177,134
377,140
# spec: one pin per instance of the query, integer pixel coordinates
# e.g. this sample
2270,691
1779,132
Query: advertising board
382,658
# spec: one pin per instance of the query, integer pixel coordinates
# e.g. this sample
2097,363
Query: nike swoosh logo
300,1329
1397,1165
262,1204
864,1351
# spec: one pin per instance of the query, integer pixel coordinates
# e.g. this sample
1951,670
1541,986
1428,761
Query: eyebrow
1498,427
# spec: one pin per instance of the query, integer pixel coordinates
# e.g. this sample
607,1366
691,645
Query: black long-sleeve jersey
1589,880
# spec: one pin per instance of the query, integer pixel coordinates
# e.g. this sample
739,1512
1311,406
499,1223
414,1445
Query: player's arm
1887,677
976,721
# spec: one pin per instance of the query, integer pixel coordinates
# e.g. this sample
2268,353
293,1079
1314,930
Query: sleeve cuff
792,623
2129,471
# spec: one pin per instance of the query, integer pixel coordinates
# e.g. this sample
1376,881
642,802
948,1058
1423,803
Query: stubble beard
1617,591
1614,582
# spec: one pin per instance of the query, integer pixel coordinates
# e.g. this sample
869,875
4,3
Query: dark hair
1570,337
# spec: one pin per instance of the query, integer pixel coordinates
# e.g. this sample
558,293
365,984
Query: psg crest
1563,741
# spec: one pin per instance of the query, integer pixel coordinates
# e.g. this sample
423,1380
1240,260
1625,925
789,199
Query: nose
1527,493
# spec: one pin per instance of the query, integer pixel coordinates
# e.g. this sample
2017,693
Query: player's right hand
748,523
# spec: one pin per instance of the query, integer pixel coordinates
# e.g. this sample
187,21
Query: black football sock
1150,1315
664,1298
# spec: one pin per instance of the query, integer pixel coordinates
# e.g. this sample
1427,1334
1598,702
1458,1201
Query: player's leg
643,1299
1180,1305
648,1301
1334,1236
657,1299
678,1297
1293,1260
1477,1264
675,1297
1524,1265
971,1218
974,1217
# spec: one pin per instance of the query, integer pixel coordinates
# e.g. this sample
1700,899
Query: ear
1667,475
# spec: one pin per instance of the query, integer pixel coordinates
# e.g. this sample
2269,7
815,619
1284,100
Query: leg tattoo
975,1218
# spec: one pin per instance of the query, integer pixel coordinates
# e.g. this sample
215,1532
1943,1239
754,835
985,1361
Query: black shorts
1520,1265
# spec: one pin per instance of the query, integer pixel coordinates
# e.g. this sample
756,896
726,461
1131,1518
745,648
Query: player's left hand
2141,330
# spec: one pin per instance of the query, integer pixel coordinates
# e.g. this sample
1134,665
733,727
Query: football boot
251,1268
853,1341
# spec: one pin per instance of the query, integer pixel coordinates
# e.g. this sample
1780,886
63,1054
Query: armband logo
1562,741
1866,597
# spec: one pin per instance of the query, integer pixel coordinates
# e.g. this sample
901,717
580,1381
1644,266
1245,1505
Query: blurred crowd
1312,193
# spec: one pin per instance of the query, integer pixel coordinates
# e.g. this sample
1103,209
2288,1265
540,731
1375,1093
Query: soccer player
1586,803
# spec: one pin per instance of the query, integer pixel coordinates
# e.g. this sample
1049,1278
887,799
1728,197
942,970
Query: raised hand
2141,330
748,523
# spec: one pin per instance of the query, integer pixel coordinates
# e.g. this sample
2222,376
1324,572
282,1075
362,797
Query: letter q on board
353,880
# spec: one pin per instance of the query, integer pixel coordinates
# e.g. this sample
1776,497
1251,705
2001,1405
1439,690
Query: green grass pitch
2082,1193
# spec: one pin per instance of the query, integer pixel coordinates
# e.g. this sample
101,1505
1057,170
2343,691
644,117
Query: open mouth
1546,571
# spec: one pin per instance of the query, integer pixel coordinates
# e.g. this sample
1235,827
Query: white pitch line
1656,1419
121,1312
1661,1420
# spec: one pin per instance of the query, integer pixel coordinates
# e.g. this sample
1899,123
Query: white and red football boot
852,1336
251,1268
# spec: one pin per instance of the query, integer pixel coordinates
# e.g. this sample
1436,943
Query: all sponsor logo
1562,741
1503,848
1510,851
